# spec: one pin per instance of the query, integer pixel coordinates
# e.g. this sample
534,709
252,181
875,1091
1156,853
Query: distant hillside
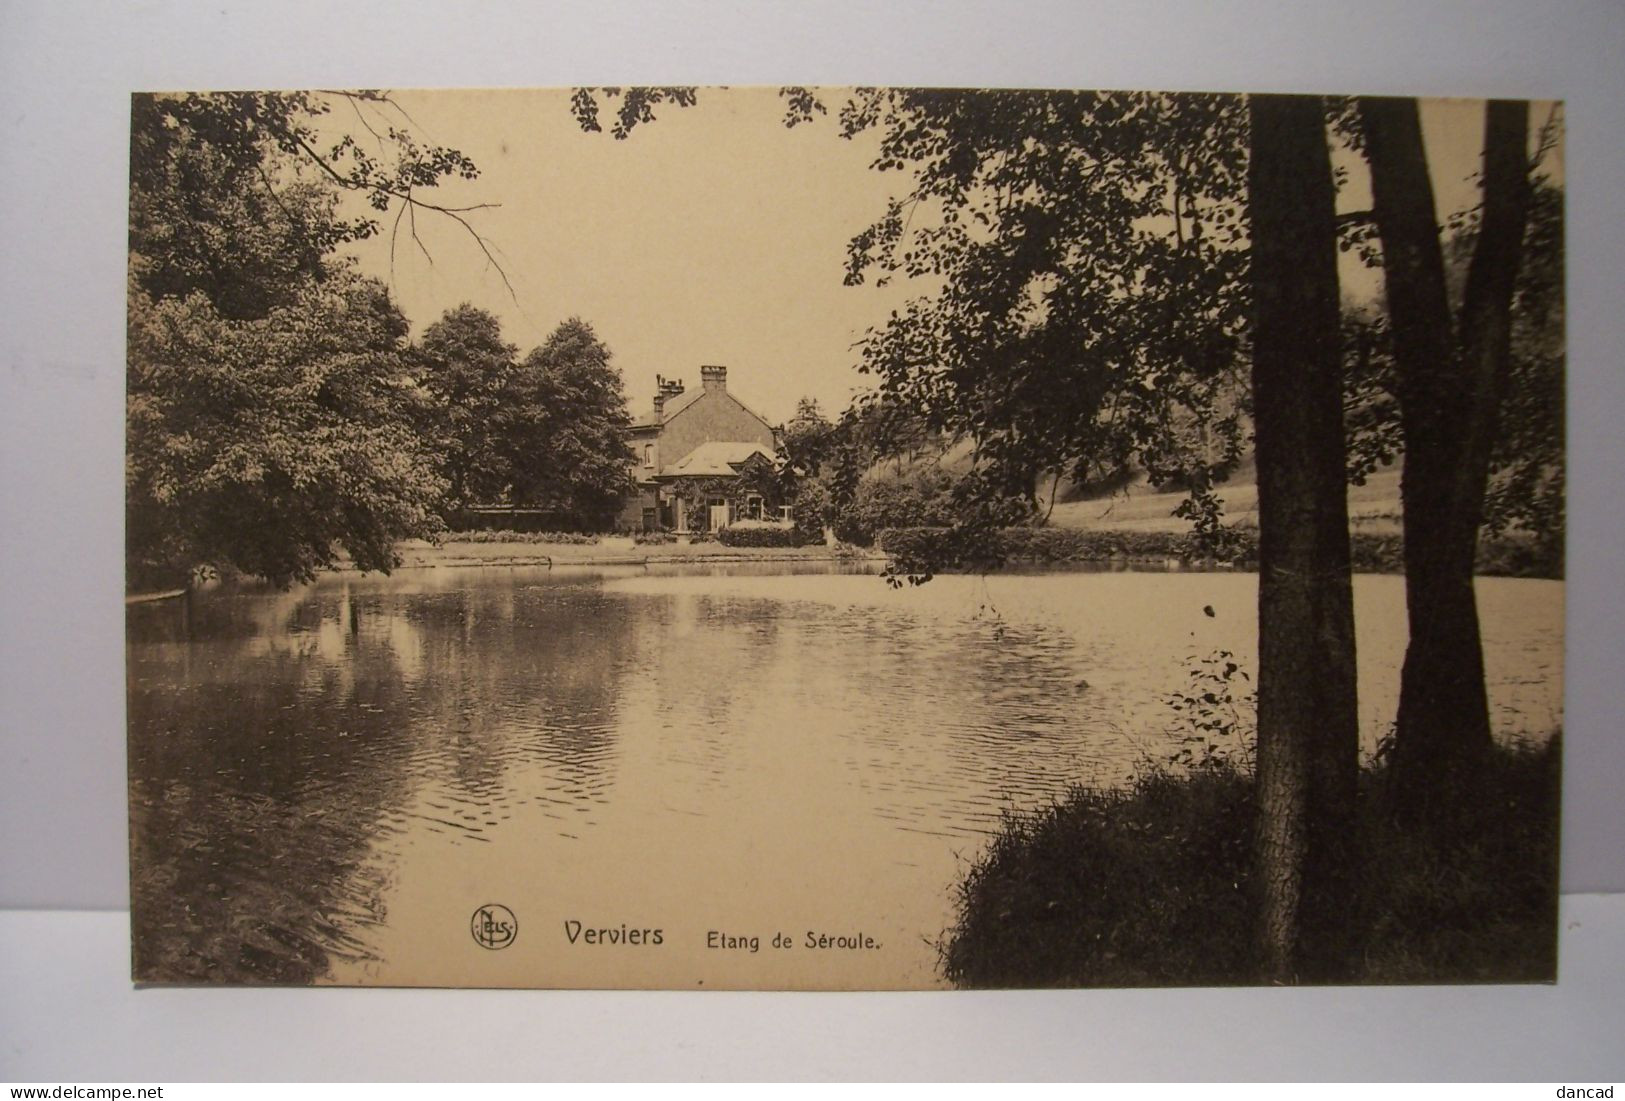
1137,506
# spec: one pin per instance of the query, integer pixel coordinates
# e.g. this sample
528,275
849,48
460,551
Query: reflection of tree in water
279,758
524,678
257,784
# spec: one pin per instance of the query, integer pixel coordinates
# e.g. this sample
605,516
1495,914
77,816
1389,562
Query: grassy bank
1374,505
1151,886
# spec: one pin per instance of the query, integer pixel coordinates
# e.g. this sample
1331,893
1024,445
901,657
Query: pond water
327,783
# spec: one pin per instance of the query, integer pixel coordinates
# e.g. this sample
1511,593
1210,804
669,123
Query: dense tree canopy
468,369
270,406
546,432
565,427
234,193
806,439
268,444
1090,253
277,415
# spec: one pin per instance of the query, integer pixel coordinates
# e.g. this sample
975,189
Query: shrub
921,498
814,508
1070,545
1141,887
1149,885
764,535
510,536
1475,900
1521,556
1498,556
1369,552
1062,545
653,538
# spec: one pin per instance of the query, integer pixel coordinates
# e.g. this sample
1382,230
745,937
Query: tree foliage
880,466
266,444
468,369
564,426
922,496
270,408
1089,254
200,160
806,440
546,432
637,105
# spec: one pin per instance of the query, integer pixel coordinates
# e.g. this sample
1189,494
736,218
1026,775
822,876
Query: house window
648,454
753,506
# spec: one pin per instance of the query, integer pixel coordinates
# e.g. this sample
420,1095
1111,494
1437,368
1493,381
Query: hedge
1047,545
1504,556
509,536
753,536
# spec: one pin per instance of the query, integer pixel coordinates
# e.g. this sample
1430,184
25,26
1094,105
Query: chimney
714,377
665,388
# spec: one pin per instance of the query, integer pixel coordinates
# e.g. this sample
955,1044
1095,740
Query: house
703,459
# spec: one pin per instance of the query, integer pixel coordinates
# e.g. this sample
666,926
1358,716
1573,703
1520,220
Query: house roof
674,405
719,458
679,402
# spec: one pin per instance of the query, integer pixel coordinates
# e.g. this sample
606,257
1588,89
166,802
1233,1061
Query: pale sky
715,235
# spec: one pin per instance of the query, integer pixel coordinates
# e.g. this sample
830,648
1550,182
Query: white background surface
67,70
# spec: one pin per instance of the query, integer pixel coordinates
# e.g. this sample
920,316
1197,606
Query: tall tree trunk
1308,739
1449,393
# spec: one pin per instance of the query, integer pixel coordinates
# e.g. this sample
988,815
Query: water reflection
318,776
282,758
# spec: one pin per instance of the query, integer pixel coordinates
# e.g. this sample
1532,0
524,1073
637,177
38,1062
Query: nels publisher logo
493,926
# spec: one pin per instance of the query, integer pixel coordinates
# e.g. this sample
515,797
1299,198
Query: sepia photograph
843,538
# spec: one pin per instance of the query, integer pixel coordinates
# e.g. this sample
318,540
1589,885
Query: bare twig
1054,489
355,105
412,224
394,231
275,198
455,213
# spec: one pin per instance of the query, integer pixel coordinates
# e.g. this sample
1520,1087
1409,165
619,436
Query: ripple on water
294,755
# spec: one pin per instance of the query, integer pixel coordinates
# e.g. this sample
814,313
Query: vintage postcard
843,538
